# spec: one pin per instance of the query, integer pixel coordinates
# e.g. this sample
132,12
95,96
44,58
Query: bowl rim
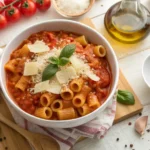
143,74
18,109
72,15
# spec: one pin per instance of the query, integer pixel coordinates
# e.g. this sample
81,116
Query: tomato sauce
28,101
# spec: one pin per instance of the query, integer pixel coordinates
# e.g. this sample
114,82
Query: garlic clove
140,124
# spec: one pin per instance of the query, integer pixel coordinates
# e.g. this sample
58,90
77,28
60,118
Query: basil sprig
49,71
67,51
55,62
63,61
125,97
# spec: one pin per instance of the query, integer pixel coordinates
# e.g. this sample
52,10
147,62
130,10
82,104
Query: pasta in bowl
56,77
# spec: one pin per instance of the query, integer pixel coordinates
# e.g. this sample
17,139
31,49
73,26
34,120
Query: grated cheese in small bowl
72,8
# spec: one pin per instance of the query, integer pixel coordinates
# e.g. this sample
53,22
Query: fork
38,141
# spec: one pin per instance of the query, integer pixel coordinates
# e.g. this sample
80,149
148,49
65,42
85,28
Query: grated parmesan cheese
82,67
41,87
38,47
77,67
42,62
54,86
30,68
66,74
72,7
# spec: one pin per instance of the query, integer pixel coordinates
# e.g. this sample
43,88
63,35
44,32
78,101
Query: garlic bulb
140,124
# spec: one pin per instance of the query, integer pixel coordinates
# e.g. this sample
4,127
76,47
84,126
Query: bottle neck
130,4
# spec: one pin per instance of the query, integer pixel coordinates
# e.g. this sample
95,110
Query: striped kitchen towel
96,128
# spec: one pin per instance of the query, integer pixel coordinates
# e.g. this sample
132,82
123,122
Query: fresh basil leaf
54,60
125,97
49,71
63,61
67,51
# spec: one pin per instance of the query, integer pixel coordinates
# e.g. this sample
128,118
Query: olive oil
126,23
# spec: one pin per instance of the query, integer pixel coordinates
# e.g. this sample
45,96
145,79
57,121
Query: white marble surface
130,65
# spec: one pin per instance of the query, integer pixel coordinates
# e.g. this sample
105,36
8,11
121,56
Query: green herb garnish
125,97
49,71
67,51
63,61
55,62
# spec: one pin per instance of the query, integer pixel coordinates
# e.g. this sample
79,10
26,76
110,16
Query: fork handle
36,144
20,130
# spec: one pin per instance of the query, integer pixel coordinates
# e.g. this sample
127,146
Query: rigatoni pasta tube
80,98
47,98
76,114
54,117
11,65
66,93
82,40
84,110
24,51
67,113
23,83
92,100
99,51
67,104
43,112
76,85
56,105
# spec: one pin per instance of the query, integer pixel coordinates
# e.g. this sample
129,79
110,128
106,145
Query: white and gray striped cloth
96,128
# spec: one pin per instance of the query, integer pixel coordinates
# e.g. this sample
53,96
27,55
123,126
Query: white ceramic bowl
72,15
146,71
57,25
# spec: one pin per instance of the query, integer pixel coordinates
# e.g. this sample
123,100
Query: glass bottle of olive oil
127,21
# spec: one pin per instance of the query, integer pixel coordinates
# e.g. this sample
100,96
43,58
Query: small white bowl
146,71
72,15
